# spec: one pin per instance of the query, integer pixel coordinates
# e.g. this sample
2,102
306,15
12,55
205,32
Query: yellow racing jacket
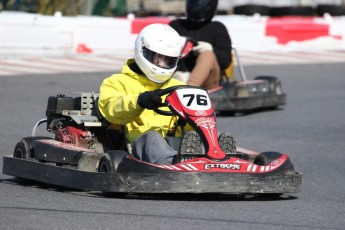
118,98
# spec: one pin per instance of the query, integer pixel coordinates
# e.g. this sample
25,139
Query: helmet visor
160,60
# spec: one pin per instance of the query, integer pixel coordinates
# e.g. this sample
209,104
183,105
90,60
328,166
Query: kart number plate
194,99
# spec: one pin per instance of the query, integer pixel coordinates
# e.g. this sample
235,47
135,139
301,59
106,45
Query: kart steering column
207,130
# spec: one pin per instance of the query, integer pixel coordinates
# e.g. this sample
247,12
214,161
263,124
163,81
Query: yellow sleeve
117,102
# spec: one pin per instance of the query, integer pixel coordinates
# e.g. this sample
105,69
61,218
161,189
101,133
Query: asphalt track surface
311,128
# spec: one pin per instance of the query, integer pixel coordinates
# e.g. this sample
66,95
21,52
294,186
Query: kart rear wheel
24,148
110,161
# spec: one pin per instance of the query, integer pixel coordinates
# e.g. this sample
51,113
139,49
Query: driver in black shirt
206,63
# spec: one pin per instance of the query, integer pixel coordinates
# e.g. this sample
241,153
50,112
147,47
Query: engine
66,118
72,135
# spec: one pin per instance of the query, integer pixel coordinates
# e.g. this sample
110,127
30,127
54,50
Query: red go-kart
87,153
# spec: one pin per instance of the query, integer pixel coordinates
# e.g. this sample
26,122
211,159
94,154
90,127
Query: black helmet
201,10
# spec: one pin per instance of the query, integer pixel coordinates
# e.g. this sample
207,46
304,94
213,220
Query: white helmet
157,42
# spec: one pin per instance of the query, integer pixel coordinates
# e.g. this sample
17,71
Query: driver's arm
117,104
222,45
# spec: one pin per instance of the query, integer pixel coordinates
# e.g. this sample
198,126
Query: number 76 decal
194,99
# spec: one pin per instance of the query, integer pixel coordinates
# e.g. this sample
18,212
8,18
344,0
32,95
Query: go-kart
85,152
237,94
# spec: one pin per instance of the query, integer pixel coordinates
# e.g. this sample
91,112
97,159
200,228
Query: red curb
287,29
139,23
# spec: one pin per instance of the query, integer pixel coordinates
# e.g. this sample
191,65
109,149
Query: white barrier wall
24,33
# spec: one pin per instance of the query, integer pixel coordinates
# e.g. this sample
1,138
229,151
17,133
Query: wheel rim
103,167
19,153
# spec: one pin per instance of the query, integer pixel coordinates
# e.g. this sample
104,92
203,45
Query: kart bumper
166,182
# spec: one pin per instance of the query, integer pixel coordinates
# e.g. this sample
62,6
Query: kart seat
229,73
117,129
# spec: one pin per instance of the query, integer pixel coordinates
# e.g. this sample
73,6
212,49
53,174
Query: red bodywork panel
194,106
232,165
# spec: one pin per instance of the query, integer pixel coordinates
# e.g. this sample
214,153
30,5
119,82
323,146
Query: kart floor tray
169,182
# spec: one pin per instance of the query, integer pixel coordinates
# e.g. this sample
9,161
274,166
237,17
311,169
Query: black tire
334,10
274,83
24,148
227,143
110,161
250,9
292,11
265,158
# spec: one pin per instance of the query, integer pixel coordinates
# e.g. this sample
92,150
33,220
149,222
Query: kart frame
73,166
159,181
237,94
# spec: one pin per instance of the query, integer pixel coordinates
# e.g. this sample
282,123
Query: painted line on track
106,62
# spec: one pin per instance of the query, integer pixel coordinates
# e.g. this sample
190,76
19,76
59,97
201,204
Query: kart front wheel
110,161
265,158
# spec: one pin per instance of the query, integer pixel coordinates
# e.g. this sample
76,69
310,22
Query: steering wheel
166,91
192,40
186,47
161,93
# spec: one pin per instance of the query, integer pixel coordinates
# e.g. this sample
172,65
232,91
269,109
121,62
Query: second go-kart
87,153
237,94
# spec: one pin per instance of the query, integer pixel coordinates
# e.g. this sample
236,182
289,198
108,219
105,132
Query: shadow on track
247,112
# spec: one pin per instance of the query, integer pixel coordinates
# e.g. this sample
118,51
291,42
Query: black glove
150,99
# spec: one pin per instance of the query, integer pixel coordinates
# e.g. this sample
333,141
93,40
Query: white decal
177,168
166,167
240,161
223,166
254,168
186,167
251,168
194,99
192,166
200,113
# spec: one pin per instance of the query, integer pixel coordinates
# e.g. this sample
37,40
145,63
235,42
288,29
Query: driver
129,98
209,59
